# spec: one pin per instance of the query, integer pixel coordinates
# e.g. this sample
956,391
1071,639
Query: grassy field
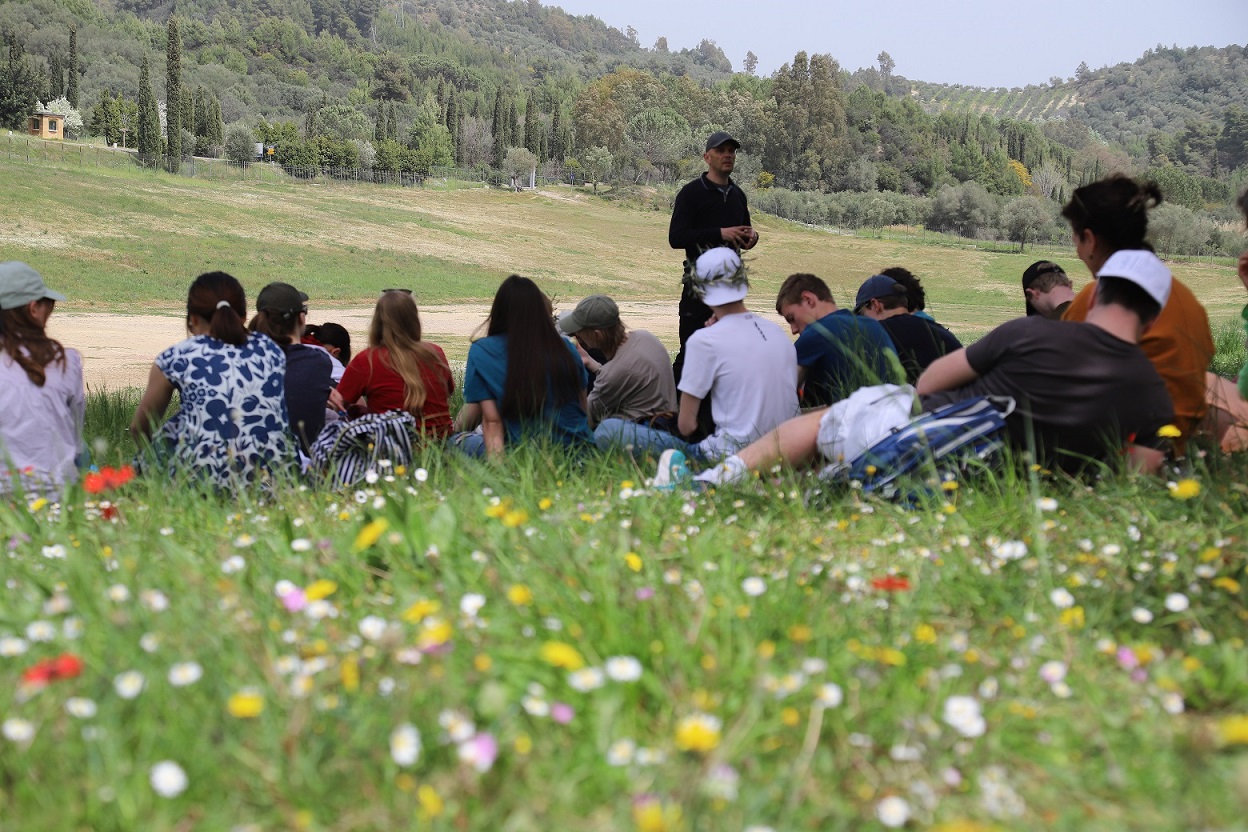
546,645
125,240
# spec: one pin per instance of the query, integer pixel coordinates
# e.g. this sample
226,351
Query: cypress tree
530,125
148,139
499,127
392,122
186,112
452,122
558,148
56,77
71,89
380,128
514,136
173,93
216,124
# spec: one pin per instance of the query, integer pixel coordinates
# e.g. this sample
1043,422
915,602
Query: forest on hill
338,85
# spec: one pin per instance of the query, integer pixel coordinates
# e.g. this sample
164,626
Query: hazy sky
974,42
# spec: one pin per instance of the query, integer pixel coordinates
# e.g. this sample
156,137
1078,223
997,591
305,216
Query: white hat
719,277
1144,269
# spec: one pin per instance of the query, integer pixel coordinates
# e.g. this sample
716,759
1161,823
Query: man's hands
741,236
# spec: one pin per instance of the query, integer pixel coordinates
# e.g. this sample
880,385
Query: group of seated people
1096,375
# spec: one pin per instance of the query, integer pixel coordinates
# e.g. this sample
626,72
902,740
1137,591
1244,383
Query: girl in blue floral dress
232,423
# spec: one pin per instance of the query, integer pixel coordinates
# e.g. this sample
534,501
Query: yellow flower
417,611
482,662
1185,489
699,733
633,561
1227,583
707,662
949,485
320,589
246,704
562,655
925,634
515,518
626,484
370,534
434,633
1169,432
545,503
1233,730
1191,664
520,595
766,649
523,745
37,504
400,470
497,510
1072,618
350,672
800,633
430,803
890,656
790,716
1212,553
650,815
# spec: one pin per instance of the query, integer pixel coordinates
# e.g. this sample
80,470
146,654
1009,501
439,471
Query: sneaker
673,470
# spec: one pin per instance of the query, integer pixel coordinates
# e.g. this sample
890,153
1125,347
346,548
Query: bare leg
793,443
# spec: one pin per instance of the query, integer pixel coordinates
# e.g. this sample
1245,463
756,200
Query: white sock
731,470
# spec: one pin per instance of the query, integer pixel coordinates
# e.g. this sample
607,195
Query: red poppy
891,583
109,512
64,666
106,478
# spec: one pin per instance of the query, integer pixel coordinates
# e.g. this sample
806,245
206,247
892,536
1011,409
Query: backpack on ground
943,442
346,451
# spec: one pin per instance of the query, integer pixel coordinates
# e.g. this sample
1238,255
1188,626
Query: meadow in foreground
538,646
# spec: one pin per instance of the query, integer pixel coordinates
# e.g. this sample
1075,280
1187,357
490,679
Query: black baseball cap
721,137
282,299
1033,272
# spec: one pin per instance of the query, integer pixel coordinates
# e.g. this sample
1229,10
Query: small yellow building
46,125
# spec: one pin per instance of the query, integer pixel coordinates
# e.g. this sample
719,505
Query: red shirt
369,374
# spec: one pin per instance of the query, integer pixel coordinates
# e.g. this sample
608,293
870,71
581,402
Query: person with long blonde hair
43,403
398,370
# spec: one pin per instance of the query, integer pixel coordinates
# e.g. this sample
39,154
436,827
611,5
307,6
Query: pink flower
645,593
1127,658
294,600
479,751
562,713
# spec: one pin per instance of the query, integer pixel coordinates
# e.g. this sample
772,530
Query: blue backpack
942,441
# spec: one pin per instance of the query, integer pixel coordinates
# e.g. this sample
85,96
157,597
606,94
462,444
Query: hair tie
222,303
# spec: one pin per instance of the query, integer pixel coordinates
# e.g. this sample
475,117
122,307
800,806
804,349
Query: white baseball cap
720,278
1144,269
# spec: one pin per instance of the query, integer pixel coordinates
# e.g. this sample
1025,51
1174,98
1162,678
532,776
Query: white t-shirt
41,427
749,367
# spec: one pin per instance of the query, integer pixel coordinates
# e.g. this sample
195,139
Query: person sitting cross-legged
635,382
1084,392
919,341
743,362
837,351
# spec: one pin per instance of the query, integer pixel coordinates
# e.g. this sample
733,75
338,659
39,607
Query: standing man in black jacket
710,211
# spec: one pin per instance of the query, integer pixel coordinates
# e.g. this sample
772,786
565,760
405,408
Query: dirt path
117,350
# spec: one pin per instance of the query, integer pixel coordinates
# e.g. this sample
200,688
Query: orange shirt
1180,346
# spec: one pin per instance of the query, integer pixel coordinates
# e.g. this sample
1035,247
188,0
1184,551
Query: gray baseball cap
595,312
20,284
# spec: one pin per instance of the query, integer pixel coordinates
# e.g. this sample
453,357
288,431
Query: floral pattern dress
232,422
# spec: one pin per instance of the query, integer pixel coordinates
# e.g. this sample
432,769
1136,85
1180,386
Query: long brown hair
24,340
396,326
219,299
538,360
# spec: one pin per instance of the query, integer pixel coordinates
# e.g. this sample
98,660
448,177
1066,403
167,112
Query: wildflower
1232,730
370,534
562,713
11,646
167,779
1053,672
405,744
620,752
471,604
80,707
623,669
830,695
246,704
18,730
722,782
893,811
458,727
420,610
559,654
1046,504
891,583
1073,618
1184,489
520,595
373,627
54,552
294,600
40,631
962,713
64,666
633,561
1169,432
698,733
1010,550
1141,616
1172,703
154,600
651,815
1176,602
185,673
430,803
479,752
233,564
753,586
586,679
1062,599
301,544
320,590
129,684
434,634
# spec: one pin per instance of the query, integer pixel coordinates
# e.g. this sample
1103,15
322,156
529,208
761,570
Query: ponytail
218,298
1115,209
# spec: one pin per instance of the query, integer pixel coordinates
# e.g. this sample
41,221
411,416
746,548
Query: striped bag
345,451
